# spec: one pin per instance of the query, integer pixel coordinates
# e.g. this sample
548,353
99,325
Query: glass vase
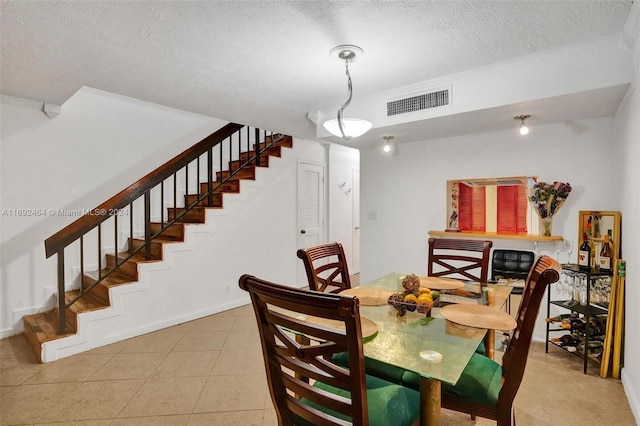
546,226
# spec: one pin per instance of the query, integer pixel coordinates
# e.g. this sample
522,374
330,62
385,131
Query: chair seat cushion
480,382
374,367
389,404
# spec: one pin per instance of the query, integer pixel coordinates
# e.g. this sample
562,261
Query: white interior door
310,210
354,266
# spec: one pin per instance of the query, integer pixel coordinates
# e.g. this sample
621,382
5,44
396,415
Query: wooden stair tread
160,240
139,257
216,199
113,279
173,232
264,162
44,326
85,303
194,215
232,185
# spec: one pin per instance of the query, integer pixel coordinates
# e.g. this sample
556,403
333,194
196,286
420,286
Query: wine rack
584,336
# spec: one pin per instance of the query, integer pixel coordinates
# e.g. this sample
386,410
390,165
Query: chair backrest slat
459,258
326,267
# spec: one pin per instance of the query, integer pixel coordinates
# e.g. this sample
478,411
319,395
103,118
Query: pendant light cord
347,102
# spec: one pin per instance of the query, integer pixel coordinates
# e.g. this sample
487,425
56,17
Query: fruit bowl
421,301
413,298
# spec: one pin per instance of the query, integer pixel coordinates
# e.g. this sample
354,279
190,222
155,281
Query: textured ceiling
266,63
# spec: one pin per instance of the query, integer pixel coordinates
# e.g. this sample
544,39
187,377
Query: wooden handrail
61,239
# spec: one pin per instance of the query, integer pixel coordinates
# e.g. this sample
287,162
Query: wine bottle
605,255
560,317
584,254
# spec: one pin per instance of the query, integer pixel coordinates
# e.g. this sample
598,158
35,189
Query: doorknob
302,231
357,227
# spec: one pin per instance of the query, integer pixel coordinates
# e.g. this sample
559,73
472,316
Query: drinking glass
569,247
583,290
571,281
557,245
596,291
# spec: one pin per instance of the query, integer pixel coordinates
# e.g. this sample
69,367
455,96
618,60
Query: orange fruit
409,297
424,290
425,298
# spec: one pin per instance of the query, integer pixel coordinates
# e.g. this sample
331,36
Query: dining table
435,348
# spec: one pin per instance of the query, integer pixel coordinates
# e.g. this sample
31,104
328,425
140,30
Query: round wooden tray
369,296
369,328
479,316
437,283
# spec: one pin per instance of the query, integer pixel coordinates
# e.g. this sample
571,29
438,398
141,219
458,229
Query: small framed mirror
597,224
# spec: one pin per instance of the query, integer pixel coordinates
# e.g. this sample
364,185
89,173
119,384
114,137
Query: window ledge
493,236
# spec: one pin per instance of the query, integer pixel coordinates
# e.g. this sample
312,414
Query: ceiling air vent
418,102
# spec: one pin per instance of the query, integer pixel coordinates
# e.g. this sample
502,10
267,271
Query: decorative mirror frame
596,224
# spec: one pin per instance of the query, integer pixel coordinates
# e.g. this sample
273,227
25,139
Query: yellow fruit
425,290
425,298
409,297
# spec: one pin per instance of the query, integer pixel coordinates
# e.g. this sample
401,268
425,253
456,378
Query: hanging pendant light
347,128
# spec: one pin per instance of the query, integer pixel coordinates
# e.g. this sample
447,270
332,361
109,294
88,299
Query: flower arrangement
548,198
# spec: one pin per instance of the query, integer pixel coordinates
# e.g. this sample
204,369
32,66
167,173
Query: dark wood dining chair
486,388
326,267
459,258
306,386
514,264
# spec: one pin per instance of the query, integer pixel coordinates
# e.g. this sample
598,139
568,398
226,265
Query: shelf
577,307
494,236
594,272
577,352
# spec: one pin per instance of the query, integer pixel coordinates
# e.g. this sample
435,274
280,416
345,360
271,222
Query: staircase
167,204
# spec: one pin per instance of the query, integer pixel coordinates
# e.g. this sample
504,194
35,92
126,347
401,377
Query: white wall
344,161
628,173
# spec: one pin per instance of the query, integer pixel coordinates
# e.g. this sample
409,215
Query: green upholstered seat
479,383
388,404
373,367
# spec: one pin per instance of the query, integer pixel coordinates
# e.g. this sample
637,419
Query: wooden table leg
304,341
430,394
490,344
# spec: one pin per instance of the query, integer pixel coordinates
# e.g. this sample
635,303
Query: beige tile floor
210,372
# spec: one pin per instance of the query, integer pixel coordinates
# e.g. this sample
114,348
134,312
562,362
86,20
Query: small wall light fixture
523,127
347,128
387,143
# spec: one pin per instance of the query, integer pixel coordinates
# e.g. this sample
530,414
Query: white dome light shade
353,127
524,129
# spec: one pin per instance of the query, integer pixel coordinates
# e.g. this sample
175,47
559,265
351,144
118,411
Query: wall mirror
597,224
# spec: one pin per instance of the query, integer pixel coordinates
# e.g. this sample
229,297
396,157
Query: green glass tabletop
429,346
